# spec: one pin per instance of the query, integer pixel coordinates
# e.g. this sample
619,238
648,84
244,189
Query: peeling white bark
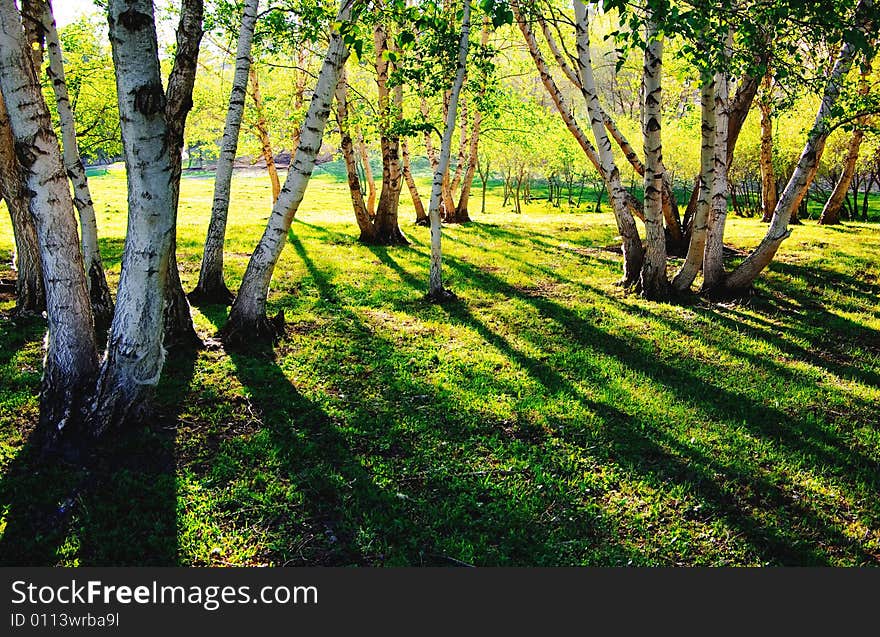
247,318
71,355
435,284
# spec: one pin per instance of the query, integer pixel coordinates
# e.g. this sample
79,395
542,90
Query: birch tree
71,356
99,292
30,296
831,210
247,318
135,355
652,280
744,275
211,287
436,291
632,247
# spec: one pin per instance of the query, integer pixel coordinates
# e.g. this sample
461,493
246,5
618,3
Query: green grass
545,418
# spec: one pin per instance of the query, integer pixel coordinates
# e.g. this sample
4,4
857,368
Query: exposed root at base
441,296
246,334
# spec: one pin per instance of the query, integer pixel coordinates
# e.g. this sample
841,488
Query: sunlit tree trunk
653,282
768,176
421,215
30,296
211,287
362,216
135,355
386,228
632,246
179,330
744,275
713,254
247,318
262,129
694,259
71,360
99,292
831,211
368,176
436,291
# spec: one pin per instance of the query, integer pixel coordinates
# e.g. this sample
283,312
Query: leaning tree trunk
99,292
694,259
653,281
71,361
436,291
831,211
361,215
247,318
179,329
211,287
743,276
135,356
421,215
30,296
385,225
263,134
670,209
633,252
713,254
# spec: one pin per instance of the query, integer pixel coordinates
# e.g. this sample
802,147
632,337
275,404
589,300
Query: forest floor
544,418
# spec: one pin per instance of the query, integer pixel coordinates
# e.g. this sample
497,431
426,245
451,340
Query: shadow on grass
117,508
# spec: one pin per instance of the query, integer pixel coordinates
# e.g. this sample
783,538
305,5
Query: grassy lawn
545,418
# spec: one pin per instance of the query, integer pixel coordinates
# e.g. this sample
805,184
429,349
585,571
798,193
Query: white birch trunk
653,281
211,287
632,246
30,296
713,254
744,275
436,291
135,355
99,292
694,259
71,355
247,318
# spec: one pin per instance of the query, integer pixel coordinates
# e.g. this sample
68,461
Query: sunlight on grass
545,418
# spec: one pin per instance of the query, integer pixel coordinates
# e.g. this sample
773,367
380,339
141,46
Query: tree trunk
386,228
633,253
263,133
135,355
361,215
247,318
211,287
713,254
421,215
484,178
99,292
831,211
436,291
743,276
670,209
737,113
30,296
179,330
768,176
71,360
653,282
368,176
694,259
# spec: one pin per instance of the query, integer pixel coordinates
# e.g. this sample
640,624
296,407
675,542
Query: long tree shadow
820,448
115,508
